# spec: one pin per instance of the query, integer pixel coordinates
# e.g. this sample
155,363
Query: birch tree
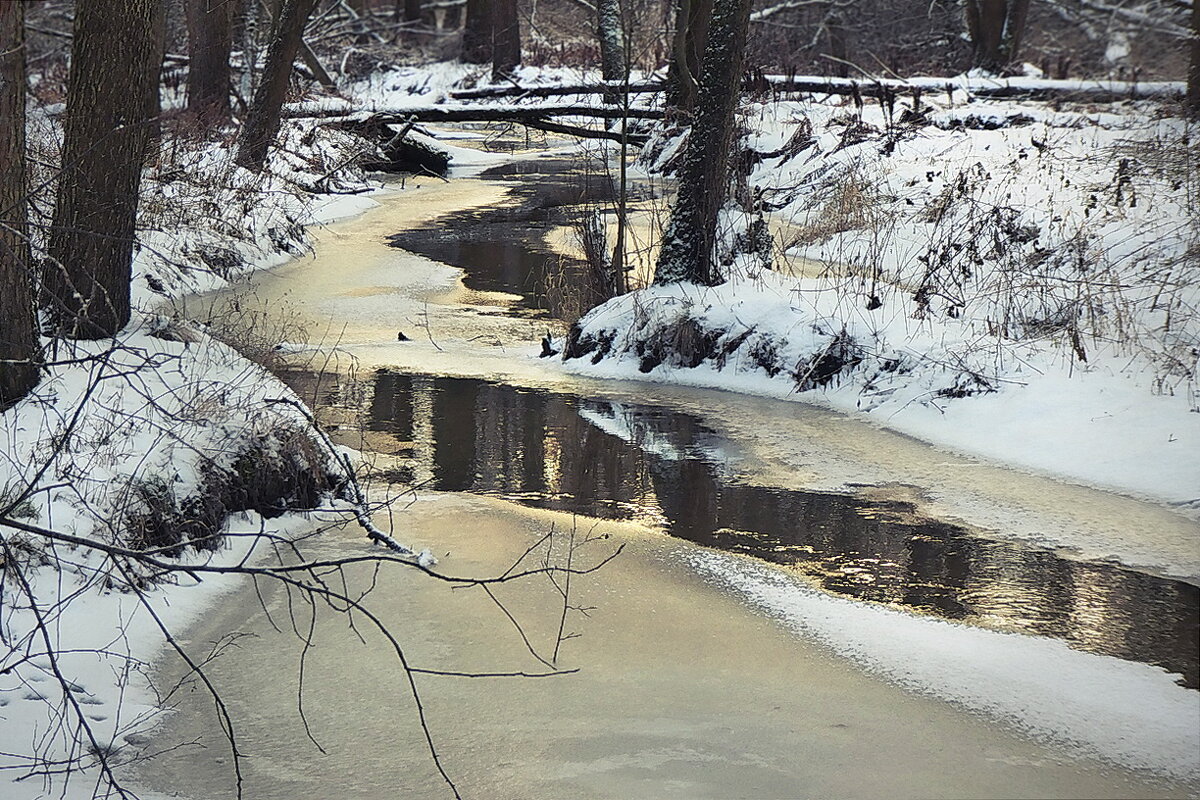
687,249
115,60
263,120
18,325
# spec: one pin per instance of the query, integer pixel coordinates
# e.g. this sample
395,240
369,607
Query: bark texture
688,51
611,37
18,325
210,38
687,249
115,60
1193,90
506,39
996,28
477,32
262,121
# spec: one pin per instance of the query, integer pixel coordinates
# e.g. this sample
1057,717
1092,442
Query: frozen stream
808,654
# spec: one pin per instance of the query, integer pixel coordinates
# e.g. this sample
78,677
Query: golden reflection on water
664,469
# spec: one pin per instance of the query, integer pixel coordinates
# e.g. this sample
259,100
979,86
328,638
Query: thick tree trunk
477,32
687,51
611,36
210,38
114,57
687,249
413,10
262,121
1193,90
18,324
506,40
995,28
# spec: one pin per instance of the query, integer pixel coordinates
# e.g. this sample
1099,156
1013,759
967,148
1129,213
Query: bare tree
412,10
506,39
1193,91
115,58
688,51
687,249
611,35
18,325
477,32
995,28
210,39
262,121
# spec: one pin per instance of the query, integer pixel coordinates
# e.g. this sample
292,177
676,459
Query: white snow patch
1123,712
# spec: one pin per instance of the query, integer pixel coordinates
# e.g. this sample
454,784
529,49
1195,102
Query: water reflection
501,248
638,462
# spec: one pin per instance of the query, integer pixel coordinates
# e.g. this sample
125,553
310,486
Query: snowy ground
1013,279
986,360
149,440
1029,292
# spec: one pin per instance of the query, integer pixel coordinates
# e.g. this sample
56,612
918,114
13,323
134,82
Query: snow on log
344,112
981,87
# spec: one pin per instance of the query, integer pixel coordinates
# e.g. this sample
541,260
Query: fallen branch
984,88
348,114
635,139
609,87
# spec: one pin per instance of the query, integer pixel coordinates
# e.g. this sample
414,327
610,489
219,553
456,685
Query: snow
106,639
141,427
965,271
164,403
1095,706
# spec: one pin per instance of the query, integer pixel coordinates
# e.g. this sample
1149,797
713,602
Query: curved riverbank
684,692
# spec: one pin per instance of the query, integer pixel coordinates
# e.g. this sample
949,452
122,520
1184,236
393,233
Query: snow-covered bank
165,440
105,640
1096,706
1002,279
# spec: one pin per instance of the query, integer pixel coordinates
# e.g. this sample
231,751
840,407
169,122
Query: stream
451,408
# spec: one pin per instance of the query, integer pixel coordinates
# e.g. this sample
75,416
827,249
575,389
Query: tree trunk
839,47
477,32
688,50
506,40
114,59
154,83
612,44
1193,90
995,28
412,10
262,121
687,247
210,38
18,324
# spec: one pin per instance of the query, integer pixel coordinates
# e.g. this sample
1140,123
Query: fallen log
405,150
345,113
983,88
636,139
610,87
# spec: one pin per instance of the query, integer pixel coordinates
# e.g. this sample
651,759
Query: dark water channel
502,248
645,463
656,466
